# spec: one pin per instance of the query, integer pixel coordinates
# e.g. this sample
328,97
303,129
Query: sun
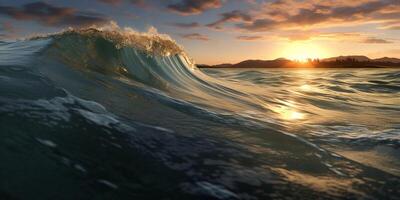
302,51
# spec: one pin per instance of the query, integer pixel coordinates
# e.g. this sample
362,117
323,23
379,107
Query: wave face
111,113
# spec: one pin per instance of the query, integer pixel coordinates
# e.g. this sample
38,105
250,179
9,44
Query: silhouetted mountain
361,59
281,62
345,58
387,59
354,61
223,65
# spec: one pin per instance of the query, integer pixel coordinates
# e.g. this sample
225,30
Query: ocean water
100,114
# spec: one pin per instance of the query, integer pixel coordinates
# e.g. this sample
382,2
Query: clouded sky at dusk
218,31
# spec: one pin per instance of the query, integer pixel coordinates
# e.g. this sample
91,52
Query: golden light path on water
290,110
287,111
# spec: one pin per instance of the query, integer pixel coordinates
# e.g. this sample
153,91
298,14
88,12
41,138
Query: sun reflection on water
306,87
288,113
287,110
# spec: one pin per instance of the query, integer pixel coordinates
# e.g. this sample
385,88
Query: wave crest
150,42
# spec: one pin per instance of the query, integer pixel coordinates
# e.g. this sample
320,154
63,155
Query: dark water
101,115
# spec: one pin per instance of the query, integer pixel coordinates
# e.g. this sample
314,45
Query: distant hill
253,64
344,58
223,65
361,59
353,61
386,59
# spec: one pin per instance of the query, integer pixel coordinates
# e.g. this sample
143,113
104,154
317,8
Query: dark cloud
232,16
194,7
50,15
139,3
186,25
195,36
373,40
249,38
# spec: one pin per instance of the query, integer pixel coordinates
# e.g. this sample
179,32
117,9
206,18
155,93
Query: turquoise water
102,115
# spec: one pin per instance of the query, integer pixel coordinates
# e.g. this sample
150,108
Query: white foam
48,143
108,184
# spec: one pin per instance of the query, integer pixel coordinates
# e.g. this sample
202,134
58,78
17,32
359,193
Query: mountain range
353,61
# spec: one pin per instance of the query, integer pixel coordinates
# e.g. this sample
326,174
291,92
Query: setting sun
302,51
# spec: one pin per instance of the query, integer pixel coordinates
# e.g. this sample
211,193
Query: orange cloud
293,14
249,38
195,36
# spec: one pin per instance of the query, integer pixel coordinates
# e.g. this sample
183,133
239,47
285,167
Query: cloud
373,40
295,14
392,25
249,38
194,7
394,28
50,15
232,16
139,3
186,25
195,36
353,37
300,35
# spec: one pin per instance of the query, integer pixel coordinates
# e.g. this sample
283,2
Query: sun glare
306,87
302,51
289,113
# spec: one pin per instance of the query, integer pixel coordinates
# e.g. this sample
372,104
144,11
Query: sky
227,31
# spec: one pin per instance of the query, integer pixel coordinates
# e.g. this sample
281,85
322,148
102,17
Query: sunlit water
352,112
84,118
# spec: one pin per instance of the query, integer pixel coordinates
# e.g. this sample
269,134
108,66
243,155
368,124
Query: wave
153,60
117,52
